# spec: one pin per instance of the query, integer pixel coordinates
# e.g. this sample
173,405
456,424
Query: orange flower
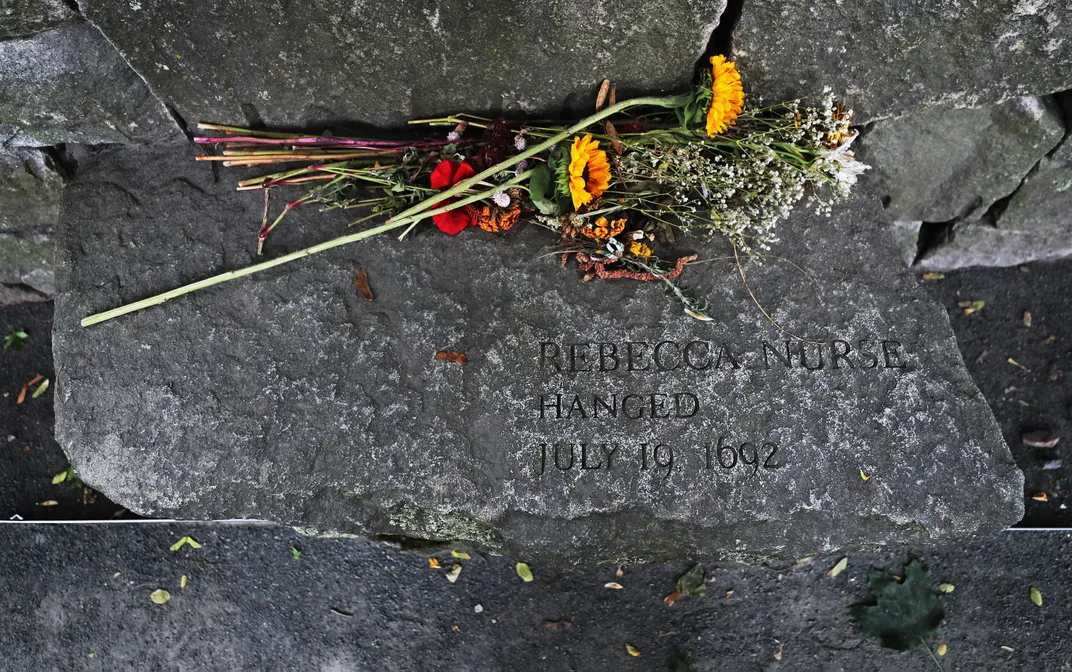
602,229
640,249
727,95
494,219
589,172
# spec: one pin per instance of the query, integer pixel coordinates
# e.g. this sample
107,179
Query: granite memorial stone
592,421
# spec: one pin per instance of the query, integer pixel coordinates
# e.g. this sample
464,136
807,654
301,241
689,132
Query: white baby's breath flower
520,143
502,199
454,136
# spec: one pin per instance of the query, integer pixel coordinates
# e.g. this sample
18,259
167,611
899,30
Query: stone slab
78,597
891,57
19,18
30,193
69,85
288,397
942,165
375,63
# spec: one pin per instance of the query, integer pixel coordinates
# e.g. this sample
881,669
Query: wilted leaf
633,651
1040,497
971,306
1040,439
863,476
49,502
1012,361
295,552
193,542
460,555
613,586
620,572
26,388
452,356
524,572
59,478
612,133
1049,339
601,98
698,315
691,583
942,649
673,597
160,596
1027,318
903,613
454,572
838,568
1036,596
933,276
40,389
1008,649
433,563
182,542
558,625
361,283
613,99
946,587
183,581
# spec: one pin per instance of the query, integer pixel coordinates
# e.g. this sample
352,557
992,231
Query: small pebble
478,608
11,437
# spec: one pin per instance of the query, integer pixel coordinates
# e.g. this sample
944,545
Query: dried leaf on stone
565,624
601,98
1040,439
904,613
182,542
633,651
361,283
1036,596
1027,318
49,502
26,388
613,99
620,572
1040,497
946,587
433,563
673,597
40,389
971,306
863,476
612,133
942,649
838,568
613,586
59,478
160,596
933,276
1049,339
1012,361
183,581
691,583
454,572
524,572
460,555
452,356
1008,649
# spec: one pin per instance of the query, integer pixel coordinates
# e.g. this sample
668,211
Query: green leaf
839,567
541,192
40,389
692,583
160,596
182,542
14,339
902,614
524,572
59,478
1036,596
461,555
295,553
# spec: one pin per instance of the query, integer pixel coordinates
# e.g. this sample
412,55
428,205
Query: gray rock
287,396
888,57
70,85
30,194
941,165
1036,224
906,235
386,63
19,18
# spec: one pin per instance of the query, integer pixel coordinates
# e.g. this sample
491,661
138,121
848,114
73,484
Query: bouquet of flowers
613,189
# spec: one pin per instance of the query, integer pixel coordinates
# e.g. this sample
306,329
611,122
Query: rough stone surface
286,396
70,85
942,165
888,57
30,194
19,18
1036,224
386,63
906,235
78,598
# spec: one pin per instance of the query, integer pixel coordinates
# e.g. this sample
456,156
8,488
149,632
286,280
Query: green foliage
692,583
902,613
15,339
559,160
541,191
295,552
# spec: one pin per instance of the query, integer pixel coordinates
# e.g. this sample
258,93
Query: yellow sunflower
589,172
727,95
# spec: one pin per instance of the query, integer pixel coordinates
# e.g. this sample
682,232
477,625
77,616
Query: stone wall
956,99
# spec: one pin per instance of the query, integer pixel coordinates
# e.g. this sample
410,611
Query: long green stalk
407,217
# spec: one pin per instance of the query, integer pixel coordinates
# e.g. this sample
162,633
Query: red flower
447,174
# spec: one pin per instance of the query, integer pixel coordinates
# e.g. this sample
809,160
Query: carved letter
642,346
768,348
896,355
549,355
558,463
573,358
639,407
725,350
871,360
608,352
679,398
584,458
557,406
706,354
841,355
658,359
